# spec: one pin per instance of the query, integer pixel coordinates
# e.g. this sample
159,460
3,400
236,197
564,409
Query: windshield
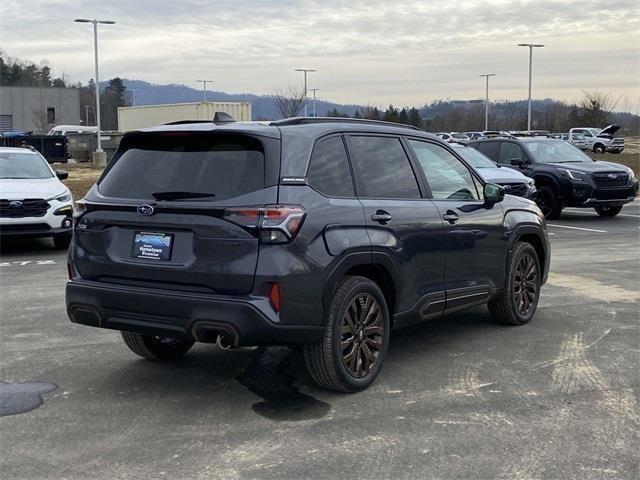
186,166
475,158
555,151
23,165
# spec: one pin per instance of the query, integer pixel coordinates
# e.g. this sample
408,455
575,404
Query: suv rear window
226,166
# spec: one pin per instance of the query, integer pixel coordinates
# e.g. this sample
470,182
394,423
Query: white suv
33,200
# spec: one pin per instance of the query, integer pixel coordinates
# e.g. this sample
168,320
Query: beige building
37,109
133,118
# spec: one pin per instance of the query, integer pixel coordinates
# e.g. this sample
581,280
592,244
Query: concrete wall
24,103
133,118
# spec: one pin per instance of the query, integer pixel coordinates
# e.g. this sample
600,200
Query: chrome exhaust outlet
222,344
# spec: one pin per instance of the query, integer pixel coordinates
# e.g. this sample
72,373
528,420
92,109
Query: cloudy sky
366,51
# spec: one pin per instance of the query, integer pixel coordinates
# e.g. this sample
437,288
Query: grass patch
631,160
82,176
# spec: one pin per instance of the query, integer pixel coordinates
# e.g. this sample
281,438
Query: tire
507,309
343,368
61,242
548,202
605,211
156,348
599,148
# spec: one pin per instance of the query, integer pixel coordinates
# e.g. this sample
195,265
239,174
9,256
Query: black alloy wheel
361,336
548,203
525,284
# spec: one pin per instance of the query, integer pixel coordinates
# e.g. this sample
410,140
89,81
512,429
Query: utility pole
314,90
204,88
100,158
486,100
531,47
86,115
305,71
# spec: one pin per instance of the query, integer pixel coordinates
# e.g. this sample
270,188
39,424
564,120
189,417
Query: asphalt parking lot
459,397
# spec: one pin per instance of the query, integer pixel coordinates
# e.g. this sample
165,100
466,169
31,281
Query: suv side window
448,177
382,168
489,149
329,171
510,151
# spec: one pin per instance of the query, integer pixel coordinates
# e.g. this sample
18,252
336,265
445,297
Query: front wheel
599,148
548,202
605,211
518,303
156,348
355,343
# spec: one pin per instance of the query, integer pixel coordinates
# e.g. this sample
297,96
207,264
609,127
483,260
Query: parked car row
326,233
585,138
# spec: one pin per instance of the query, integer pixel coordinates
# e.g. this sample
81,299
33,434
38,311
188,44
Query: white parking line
571,210
576,228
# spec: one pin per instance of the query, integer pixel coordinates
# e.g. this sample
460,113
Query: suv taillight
276,223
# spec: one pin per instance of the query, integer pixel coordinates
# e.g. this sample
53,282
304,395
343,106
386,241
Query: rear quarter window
225,165
329,171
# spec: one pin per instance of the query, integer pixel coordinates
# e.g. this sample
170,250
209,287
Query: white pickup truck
601,140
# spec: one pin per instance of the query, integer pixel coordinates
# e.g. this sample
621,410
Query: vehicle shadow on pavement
18,246
215,380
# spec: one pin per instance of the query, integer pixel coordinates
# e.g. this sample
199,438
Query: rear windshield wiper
180,195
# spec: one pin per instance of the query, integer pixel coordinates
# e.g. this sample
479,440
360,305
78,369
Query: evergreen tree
391,114
403,117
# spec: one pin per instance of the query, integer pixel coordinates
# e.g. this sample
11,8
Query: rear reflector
274,296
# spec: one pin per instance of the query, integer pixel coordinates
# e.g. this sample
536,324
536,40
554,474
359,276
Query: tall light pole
314,90
531,47
100,157
486,100
204,88
305,71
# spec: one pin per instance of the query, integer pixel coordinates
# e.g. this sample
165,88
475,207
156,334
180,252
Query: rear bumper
243,320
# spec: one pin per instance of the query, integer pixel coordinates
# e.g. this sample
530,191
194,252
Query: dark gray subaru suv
325,233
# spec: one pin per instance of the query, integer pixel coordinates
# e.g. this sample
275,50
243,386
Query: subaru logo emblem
16,204
146,210
613,175
507,187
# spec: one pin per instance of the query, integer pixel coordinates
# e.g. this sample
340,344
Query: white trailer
142,116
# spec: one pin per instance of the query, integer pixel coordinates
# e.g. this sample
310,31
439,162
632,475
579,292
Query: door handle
381,217
450,217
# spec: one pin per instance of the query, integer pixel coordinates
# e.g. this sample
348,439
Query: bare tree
596,107
289,101
40,120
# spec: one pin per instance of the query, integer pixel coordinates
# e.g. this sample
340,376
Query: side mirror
492,194
62,174
517,161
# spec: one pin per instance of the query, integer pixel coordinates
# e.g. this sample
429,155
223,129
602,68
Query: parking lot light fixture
305,71
486,100
95,48
531,47
314,90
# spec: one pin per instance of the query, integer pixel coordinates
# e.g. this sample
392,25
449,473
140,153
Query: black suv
564,176
317,232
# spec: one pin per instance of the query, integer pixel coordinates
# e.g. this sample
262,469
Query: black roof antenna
222,117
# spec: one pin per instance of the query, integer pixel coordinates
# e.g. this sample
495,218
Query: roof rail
182,122
312,120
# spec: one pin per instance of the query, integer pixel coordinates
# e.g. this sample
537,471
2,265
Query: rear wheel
519,302
548,202
61,242
605,211
351,353
156,348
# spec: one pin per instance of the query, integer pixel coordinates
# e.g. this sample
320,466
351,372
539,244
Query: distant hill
262,106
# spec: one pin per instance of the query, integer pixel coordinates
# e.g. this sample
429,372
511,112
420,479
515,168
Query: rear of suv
325,233
564,175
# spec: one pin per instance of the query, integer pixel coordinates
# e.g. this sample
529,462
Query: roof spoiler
222,117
